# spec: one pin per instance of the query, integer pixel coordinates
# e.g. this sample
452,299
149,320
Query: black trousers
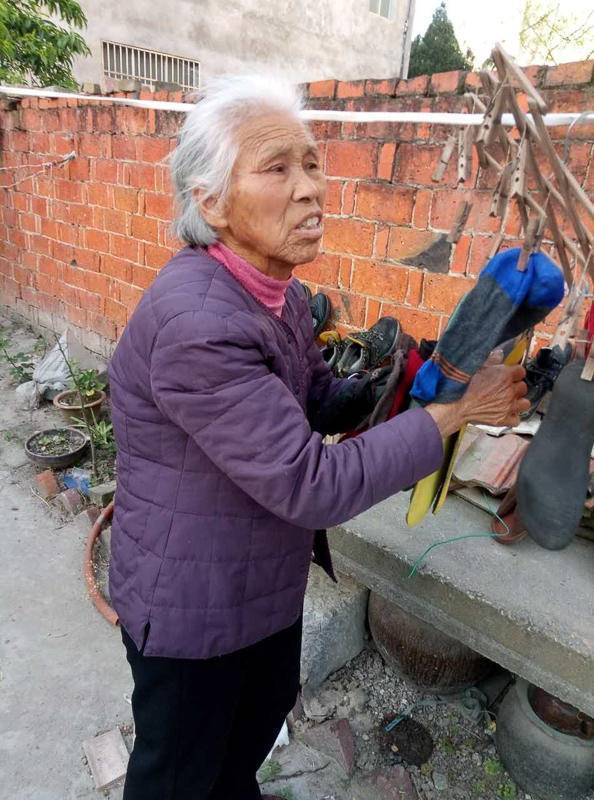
204,727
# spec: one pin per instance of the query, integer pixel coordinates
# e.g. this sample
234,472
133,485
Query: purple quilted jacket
221,481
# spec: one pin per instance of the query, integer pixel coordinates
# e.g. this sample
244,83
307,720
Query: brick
140,175
129,296
479,219
389,783
79,169
351,159
422,209
385,162
333,201
350,89
107,757
384,203
158,205
116,221
442,292
124,247
443,208
47,484
71,192
380,280
125,199
472,83
380,244
323,271
105,170
372,313
386,87
96,240
409,242
415,164
414,291
98,194
348,236
124,147
116,312
322,88
348,197
143,276
419,324
152,149
155,256
479,253
461,251
70,501
418,85
344,273
576,72
347,309
335,739
446,82
145,229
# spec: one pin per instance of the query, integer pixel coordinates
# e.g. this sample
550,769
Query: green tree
438,50
35,48
547,32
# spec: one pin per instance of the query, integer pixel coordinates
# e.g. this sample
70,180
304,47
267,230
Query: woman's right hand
496,395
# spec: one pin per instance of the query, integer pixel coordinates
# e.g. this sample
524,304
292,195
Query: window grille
384,8
149,66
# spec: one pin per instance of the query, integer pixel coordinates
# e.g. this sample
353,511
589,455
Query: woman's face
273,213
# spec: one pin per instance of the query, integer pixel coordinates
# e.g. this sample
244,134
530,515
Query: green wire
423,555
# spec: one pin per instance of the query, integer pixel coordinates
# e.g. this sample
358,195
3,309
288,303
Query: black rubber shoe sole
555,472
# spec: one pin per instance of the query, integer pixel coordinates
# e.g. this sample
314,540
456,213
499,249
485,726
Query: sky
481,23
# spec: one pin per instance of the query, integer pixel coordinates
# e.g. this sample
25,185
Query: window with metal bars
149,66
385,8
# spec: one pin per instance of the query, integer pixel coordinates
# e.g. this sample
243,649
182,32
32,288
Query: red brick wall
81,242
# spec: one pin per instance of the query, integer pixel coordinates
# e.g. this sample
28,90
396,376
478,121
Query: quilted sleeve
213,382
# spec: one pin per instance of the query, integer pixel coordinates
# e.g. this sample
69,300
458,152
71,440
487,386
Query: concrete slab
334,618
528,609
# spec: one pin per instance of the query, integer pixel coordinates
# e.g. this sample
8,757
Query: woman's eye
279,168
313,165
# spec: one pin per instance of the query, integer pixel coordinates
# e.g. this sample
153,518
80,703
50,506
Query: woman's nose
306,187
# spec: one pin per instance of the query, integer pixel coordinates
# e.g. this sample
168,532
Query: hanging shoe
541,374
554,475
320,311
333,348
368,349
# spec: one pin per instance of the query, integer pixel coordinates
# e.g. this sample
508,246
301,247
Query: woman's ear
212,210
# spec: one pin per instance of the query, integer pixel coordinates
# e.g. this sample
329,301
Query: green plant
34,48
21,364
448,746
269,771
507,791
549,34
85,380
101,432
493,766
287,793
438,49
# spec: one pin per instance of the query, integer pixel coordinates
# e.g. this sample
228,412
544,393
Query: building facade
186,41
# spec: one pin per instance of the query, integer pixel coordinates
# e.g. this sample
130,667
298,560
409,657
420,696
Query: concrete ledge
528,609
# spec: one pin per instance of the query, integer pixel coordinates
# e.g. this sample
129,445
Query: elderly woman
221,479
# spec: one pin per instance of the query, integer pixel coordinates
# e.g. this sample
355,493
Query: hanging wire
44,166
425,553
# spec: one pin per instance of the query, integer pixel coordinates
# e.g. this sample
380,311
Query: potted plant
85,397
56,448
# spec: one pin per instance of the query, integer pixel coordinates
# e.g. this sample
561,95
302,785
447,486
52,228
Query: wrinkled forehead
270,134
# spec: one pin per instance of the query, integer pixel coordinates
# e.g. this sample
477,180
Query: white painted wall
306,39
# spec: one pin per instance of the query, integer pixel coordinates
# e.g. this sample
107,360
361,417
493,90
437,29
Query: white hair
207,145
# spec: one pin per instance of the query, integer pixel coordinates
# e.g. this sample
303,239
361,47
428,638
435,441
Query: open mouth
311,225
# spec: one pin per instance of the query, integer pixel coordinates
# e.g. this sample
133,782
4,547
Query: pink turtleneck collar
269,291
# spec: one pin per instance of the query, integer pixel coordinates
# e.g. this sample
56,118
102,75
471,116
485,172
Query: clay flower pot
56,448
69,404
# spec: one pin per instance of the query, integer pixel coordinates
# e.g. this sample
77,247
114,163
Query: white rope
415,117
